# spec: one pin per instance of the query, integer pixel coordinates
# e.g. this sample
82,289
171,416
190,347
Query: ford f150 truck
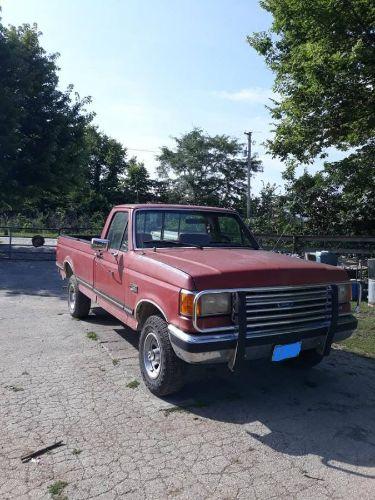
195,284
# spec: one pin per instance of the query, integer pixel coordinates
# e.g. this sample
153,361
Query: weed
173,409
198,404
115,361
185,408
133,384
92,336
56,488
76,451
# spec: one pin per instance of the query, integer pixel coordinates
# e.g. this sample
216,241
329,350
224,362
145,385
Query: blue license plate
287,351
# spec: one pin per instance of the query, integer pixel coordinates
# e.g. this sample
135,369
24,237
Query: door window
117,232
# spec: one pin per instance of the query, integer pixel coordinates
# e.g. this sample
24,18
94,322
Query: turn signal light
187,303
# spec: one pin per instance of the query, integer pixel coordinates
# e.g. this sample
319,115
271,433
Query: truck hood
243,268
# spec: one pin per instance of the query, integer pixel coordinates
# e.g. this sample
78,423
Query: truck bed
76,249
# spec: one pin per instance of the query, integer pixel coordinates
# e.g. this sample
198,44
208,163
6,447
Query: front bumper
219,347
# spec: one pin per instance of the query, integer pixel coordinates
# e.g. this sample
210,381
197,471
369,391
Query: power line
143,150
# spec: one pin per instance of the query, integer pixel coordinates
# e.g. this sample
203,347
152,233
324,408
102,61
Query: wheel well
145,310
68,270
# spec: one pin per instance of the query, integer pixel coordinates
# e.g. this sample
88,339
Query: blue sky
155,69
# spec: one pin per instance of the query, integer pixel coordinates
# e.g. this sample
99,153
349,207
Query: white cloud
253,95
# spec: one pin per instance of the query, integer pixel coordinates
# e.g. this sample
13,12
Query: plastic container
355,289
371,268
324,256
371,292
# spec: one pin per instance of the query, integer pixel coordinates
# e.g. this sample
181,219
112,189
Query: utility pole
248,193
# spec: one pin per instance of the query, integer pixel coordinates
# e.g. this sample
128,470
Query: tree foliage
137,185
41,127
336,200
322,54
206,170
105,166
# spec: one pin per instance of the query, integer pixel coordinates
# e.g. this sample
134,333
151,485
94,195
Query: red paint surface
161,274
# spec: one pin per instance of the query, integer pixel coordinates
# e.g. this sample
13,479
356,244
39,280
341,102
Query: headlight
209,304
344,293
215,304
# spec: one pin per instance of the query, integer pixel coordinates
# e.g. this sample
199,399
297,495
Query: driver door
110,265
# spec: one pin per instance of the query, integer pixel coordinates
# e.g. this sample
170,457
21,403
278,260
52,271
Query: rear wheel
79,305
161,369
307,359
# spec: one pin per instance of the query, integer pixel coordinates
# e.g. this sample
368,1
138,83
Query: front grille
273,310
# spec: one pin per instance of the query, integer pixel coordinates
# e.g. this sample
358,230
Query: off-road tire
170,375
306,360
79,307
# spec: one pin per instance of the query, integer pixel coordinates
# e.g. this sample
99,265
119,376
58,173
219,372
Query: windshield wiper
176,243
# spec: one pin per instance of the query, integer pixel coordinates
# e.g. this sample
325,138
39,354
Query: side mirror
99,245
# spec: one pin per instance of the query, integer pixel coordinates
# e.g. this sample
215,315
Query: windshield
186,228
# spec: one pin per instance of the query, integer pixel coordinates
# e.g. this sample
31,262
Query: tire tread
170,379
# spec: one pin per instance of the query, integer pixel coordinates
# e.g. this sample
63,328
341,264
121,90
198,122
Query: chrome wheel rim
152,355
72,297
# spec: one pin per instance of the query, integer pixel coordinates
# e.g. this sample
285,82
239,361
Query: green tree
322,54
310,198
137,185
41,127
353,185
105,168
270,212
207,170
336,200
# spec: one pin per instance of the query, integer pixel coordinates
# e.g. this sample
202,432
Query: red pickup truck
195,284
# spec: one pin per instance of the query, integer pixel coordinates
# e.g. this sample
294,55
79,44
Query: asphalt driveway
267,432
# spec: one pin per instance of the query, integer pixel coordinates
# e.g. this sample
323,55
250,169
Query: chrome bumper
218,347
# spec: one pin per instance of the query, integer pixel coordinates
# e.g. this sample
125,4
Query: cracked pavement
268,432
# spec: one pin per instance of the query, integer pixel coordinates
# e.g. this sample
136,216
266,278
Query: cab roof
171,206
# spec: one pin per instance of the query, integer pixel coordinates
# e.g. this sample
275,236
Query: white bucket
371,293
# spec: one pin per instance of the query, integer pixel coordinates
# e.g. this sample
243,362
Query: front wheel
79,305
161,369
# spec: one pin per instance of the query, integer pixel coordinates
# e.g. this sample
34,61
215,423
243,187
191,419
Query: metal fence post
295,244
10,242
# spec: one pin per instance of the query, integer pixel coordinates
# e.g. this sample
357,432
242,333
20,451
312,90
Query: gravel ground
267,432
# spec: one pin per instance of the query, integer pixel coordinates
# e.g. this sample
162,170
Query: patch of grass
92,336
56,488
76,451
363,340
15,388
184,408
115,361
133,384
173,409
198,404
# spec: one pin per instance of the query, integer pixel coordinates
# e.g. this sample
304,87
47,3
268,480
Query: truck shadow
328,412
